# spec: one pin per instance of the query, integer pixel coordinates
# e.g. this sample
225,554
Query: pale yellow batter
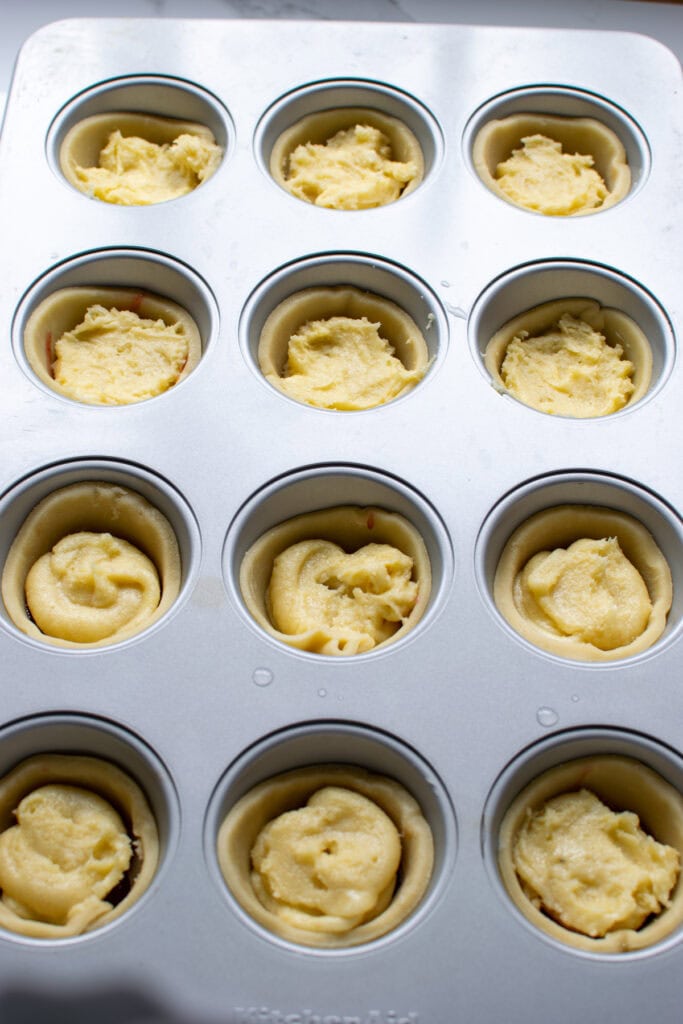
327,855
338,581
352,170
79,845
569,370
593,870
110,346
135,172
66,853
553,165
92,564
348,602
584,582
114,357
91,586
343,363
341,348
328,866
589,591
541,177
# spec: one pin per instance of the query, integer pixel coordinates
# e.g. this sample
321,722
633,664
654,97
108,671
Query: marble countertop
663,21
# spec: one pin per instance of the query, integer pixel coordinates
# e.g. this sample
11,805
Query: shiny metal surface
461,695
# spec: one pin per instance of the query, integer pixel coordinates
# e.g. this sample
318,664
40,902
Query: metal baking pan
462,710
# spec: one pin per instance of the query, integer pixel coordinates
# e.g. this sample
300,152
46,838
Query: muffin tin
461,710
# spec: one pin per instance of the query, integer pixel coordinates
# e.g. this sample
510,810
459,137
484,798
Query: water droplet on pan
322,692
262,676
547,717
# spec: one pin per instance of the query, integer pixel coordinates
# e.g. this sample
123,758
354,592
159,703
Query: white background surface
664,21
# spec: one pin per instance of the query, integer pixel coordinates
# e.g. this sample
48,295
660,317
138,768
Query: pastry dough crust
391,373
496,140
101,508
114,786
244,822
623,784
351,528
557,528
65,309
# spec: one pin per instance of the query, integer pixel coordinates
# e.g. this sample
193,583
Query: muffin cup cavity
98,757
55,505
545,515
316,506
533,297
315,113
627,773
345,284
150,284
582,122
281,773
156,109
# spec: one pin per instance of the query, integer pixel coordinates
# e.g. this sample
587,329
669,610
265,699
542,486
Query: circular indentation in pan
567,284
330,273
568,116
627,772
101,757
303,504
310,748
157,108
317,111
143,281
95,495
649,532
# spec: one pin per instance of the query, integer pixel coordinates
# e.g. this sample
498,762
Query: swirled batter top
541,177
133,171
352,170
91,586
115,357
64,856
330,865
348,602
593,870
589,591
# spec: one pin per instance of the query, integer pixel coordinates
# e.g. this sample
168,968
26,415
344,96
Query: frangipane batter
348,159
137,159
341,348
340,581
590,852
110,346
553,165
592,869
584,582
70,580
78,845
571,357
329,855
